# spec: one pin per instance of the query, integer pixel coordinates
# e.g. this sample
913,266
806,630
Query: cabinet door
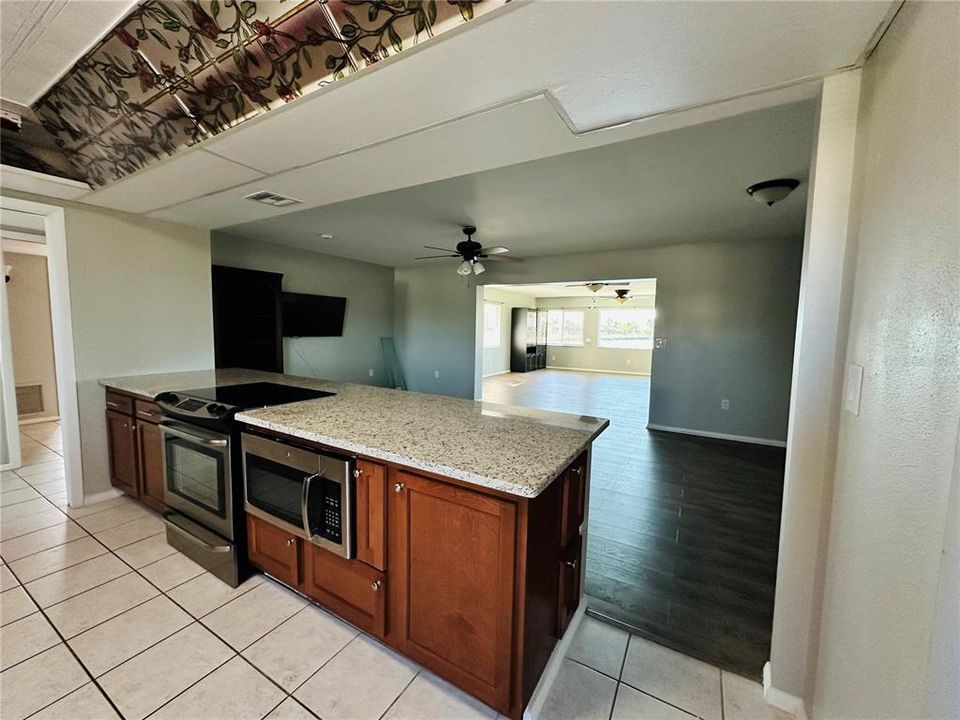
455,570
371,514
574,495
122,444
151,465
349,588
273,550
569,597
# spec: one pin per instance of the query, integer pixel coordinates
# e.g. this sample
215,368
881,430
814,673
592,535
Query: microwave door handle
304,503
209,442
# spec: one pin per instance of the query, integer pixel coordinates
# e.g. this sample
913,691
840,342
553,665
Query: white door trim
62,320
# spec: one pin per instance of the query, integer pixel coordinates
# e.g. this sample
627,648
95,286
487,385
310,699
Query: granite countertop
512,449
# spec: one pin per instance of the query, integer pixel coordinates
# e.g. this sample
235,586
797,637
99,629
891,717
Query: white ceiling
449,107
41,39
687,185
637,288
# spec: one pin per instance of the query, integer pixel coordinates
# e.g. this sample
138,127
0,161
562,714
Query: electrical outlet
552,358
725,404
659,343
628,361
371,372
436,374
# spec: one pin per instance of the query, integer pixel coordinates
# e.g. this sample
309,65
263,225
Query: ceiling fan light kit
769,192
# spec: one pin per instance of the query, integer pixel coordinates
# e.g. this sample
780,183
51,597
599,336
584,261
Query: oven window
196,474
275,488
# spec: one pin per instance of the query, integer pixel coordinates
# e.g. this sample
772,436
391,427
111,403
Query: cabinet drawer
273,550
119,403
146,410
349,588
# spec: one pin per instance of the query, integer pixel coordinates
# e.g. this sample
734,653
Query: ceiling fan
597,286
622,295
471,252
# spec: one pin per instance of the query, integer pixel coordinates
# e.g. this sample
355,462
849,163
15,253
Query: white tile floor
101,618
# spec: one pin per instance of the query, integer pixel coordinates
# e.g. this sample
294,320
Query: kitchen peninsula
467,518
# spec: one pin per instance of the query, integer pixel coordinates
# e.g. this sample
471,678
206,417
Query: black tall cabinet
246,319
528,340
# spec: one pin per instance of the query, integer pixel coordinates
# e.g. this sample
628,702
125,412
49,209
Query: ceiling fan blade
431,247
499,258
613,284
496,250
432,257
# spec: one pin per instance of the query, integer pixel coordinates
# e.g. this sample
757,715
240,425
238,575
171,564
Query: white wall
497,360
591,356
140,303
369,312
727,309
31,330
894,460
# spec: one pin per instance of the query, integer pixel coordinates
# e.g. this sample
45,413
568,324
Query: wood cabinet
569,584
350,588
574,498
452,564
135,448
371,513
122,444
273,550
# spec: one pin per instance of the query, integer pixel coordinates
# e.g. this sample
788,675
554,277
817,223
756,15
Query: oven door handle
169,519
304,502
199,439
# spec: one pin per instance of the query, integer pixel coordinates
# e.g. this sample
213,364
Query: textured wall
894,460
369,314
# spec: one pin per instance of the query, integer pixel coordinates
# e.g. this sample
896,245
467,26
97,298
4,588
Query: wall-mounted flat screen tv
312,315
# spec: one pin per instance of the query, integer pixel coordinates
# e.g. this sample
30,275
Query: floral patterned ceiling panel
175,72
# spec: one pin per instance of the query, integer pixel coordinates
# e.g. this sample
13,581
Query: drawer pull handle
398,487
111,403
376,585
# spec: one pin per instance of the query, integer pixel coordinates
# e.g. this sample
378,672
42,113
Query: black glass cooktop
258,394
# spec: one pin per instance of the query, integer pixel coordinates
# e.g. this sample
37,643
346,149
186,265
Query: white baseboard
718,436
595,370
38,420
500,372
780,699
100,497
552,669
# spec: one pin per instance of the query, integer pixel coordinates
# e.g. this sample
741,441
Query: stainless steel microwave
308,493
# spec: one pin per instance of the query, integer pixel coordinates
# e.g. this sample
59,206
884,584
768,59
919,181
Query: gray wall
884,651
591,356
369,314
31,331
436,328
728,311
140,303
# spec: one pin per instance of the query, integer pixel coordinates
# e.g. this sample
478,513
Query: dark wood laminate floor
683,531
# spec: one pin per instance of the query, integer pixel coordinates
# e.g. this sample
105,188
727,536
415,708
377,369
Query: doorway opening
682,529
40,445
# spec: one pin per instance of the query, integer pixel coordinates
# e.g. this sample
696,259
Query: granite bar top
512,449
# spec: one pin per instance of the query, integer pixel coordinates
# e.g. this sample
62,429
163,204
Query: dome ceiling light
769,192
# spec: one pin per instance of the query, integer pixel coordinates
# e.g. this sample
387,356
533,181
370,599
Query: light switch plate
852,388
659,343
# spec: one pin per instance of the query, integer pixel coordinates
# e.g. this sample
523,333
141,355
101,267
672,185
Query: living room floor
683,531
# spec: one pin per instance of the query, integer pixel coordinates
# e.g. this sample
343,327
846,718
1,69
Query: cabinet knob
291,541
398,487
578,470
357,472
572,564
376,585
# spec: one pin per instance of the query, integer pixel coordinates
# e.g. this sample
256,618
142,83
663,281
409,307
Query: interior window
491,325
626,328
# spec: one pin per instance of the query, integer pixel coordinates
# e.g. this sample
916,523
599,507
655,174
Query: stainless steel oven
310,494
197,475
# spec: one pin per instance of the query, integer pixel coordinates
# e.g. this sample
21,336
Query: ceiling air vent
271,198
